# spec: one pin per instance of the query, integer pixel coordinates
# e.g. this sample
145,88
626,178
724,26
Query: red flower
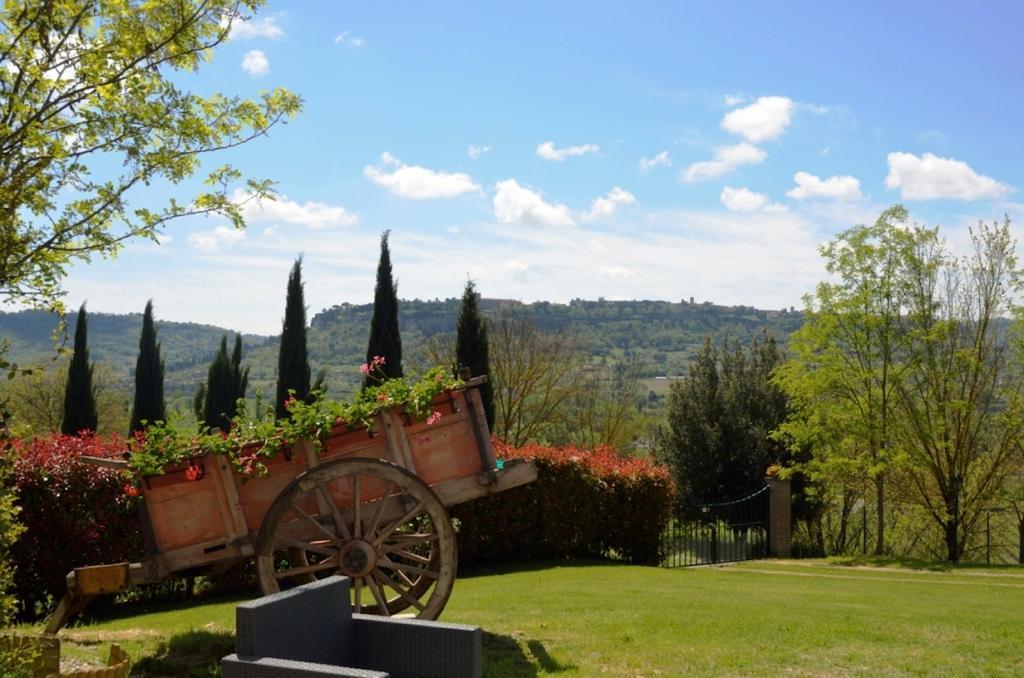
193,472
130,490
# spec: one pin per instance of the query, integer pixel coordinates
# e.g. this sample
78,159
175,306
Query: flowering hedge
583,504
74,514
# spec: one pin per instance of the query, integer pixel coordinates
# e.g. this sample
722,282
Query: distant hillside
663,335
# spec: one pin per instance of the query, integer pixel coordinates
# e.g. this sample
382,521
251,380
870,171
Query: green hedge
584,504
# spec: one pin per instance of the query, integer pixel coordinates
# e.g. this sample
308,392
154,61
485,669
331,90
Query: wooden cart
371,505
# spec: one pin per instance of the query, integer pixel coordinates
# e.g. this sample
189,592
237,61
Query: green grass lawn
820,618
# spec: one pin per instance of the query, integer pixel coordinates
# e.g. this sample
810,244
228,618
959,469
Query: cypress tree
79,397
471,347
148,405
292,359
384,337
226,382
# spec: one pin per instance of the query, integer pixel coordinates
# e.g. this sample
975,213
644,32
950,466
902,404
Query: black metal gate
718,533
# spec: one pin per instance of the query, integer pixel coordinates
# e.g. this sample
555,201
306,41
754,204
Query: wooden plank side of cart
209,523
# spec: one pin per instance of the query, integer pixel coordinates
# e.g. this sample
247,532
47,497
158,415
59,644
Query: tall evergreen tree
148,405
292,359
384,337
471,347
226,382
79,396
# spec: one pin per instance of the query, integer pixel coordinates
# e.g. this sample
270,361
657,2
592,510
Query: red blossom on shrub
193,472
584,503
76,514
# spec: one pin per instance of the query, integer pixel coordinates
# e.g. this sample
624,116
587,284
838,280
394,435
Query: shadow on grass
917,564
193,653
518,566
503,656
104,608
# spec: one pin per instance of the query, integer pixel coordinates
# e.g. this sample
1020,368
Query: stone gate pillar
780,525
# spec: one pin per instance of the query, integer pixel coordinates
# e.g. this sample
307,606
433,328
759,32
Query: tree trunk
1020,541
880,515
952,543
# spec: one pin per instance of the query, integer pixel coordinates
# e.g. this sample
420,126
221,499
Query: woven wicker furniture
311,631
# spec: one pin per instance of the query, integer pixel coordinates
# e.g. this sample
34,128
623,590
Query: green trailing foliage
471,347
248,441
385,340
293,371
79,395
148,405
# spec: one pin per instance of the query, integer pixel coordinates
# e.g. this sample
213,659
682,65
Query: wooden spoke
339,522
380,509
409,540
309,520
411,569
387,531
329,564
384,579
378,595
357,521
306,546
409,555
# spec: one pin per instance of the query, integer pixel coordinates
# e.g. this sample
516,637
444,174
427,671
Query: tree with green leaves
472,349
961,396
79,395
92,110
717,441
85,81
849,357
148,406
293,371
226,382
385,340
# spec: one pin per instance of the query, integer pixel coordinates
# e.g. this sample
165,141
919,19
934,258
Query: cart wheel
369,520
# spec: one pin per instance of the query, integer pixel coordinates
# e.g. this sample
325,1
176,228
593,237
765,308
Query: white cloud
809,186
419,183
727,158
255,63
475,152
346,38
518,270
317,216
548,151
615,273
604,207
929,177
247,29
215,240
517,204
743,199
734,100
764,119
660,160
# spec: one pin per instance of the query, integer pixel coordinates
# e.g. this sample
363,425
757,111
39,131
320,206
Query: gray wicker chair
311,631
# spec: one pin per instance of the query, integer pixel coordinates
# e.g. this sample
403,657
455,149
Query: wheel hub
357,558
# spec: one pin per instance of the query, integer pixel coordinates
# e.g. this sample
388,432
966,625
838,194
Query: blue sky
558,150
